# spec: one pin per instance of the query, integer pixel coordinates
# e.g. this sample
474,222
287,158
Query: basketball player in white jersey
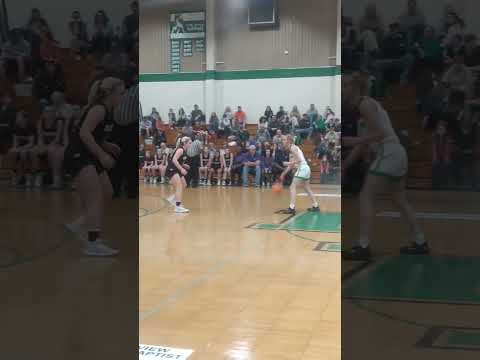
386,173
302,174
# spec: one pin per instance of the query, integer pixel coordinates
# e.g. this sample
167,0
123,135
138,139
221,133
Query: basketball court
213,282
430,302
75,297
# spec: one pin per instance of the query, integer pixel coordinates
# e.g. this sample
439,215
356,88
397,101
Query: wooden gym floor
54,300
216,282
400,307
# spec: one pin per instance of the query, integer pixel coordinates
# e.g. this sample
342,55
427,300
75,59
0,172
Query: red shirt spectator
240,118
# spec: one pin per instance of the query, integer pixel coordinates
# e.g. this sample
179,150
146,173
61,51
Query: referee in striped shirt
193,153
126,118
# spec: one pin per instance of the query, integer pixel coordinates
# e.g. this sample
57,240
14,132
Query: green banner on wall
188,25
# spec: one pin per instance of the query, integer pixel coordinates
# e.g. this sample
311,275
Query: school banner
189,25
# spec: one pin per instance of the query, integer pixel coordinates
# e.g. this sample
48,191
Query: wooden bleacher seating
403,113
308,147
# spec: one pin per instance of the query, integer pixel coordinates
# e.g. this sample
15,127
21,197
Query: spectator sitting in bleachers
280,113
280,157
154,114
172,118
48,47
205,166
274,125
393,60
48,80
15,54
130,26
472,50
312,113
141,155
412,21
19,153
459,76
49,136
36,21
102,34
162,161
267,164
277,139
371,24
227,163
442,154
240,119
268,113
159,136
295,112
8,113
148,167
213,123
115,60
251,165
79,34
263,135
182,118
455,29
197,116
304,127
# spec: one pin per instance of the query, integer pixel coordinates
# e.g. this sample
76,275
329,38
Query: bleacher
77,74
401,106
308,147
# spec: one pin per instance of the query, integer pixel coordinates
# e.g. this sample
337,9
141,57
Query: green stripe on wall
243,75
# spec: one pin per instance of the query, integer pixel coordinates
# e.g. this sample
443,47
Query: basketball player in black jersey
162,161
49,133
205,166
23,142
217,167
176,171
227,162
87,158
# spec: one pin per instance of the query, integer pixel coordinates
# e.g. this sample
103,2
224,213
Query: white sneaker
145,180
209,183
97,248
181,209
171,200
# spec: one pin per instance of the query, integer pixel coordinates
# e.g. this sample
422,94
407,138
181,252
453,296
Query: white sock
292,206
315,204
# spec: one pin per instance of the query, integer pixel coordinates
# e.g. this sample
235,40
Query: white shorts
391,161
303,172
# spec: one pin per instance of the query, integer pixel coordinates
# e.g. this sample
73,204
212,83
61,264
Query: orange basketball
277,188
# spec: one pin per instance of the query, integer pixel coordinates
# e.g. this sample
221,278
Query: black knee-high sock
93,235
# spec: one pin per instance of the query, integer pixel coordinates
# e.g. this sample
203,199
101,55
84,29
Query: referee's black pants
192,176
126,167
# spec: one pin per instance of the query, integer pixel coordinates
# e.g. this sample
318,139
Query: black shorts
171,171
216,166
76,160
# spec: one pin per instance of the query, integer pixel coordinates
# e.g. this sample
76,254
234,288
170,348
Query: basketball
277,188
